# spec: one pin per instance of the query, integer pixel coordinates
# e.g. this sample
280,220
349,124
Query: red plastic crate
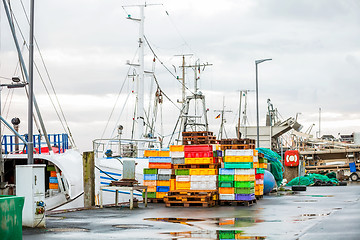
198,148
198,154
259,176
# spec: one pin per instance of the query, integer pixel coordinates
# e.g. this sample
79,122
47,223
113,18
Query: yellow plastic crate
244,178
164,153
262,165
176,148
256,165
151,153
207,160
203,171
238,159
163,183
161,194
259,192
183,185
259,187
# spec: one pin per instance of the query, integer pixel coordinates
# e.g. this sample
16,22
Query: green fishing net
276,166
313,179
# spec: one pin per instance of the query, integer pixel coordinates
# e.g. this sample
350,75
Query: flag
218,116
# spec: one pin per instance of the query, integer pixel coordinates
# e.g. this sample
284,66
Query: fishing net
276,166
313,179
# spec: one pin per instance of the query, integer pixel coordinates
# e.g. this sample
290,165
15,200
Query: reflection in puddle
319,195
219,234
67,230
184,221
310,216
132,226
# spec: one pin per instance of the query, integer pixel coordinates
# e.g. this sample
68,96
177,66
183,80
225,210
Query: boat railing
59,143
123,147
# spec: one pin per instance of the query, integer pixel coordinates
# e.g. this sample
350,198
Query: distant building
347,138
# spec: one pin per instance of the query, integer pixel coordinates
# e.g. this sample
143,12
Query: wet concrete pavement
318,213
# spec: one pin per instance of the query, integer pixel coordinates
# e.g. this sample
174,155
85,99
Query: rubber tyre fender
342,183
298,188
354,177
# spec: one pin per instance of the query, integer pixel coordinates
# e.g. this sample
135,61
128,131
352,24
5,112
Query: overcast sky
86,43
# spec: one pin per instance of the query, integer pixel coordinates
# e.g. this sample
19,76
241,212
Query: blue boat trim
110,173
107,178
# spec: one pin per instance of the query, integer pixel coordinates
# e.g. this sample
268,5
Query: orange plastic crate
161,194
163,183
262,165
164,154
226,190
177,148
256,165
244,178
183,185
160,165
203,171
259,192
151,153
53,185
172,184
52,173
150,183
151,189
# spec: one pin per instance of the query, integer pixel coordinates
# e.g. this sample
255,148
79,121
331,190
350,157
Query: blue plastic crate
159,159
226,171
352,167
162,188
150,176
53,180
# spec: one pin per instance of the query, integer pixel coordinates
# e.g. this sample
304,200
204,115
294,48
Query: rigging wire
72,141
162,63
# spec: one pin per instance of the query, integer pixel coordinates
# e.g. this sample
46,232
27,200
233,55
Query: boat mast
140,87
30,149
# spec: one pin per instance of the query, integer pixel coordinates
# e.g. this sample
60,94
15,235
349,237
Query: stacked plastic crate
259,176
237,177
157,176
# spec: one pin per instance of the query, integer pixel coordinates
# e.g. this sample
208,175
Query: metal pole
31,87
140,109
257,107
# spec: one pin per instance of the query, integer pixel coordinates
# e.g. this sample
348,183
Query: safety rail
59,143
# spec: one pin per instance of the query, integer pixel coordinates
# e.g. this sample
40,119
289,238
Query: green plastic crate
150,194
260,171
182,172
150,170
244,190
226,234
226,184
245,165
226,178
244,184
262,160
11,217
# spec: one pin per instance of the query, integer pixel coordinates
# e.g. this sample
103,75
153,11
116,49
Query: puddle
132,226
184,221
55,218
219,234
306,201
310,216
67,230
319,195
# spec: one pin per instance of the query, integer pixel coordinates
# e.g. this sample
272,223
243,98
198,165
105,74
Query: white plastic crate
204,178
164,171
239,152
259,181
240,171
255,159
177,154
183,178
226,196
203,185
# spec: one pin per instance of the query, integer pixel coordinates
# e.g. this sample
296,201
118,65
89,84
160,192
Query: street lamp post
257,99
16,84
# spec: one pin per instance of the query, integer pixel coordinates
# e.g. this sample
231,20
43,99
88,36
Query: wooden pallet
238,146
199,133
190,204
232,141
193,166
236,203
155,200
258,197
191,140
209,193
